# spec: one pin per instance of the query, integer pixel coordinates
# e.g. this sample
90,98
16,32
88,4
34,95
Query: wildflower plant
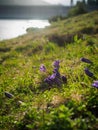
55,78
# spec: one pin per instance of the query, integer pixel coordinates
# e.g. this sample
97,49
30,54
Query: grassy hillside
60,95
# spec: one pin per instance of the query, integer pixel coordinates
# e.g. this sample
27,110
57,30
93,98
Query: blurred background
18,15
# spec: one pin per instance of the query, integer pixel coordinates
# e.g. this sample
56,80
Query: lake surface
14,28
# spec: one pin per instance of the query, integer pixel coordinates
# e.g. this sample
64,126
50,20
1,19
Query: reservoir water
14,28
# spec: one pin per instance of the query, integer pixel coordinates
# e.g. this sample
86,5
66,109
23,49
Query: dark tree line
92,2
89,2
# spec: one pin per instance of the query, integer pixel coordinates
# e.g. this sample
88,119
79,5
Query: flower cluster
56,78
88,72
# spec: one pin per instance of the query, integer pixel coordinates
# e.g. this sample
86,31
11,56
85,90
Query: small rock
9,95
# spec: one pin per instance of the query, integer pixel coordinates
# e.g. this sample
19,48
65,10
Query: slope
60,96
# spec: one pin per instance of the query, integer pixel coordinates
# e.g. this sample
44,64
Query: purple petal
55,71
52,76
42,68
95,85
48,81
57,81
96,82
64,79
56,64
85,60
87,72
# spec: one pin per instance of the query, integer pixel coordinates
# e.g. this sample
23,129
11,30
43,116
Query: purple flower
64,79
56,64
55,71
48,80
42,68
95,84
87,72
86,60
57,81
53,79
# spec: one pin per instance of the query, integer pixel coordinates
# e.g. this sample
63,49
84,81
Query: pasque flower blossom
95,84
48,80
56,72
55,78
87,72
42,68
86,60
56,64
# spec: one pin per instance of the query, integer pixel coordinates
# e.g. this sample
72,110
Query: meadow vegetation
27,101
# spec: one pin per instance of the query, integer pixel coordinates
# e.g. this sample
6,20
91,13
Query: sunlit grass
35,104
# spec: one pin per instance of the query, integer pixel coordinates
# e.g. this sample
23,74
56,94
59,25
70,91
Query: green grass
36,106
